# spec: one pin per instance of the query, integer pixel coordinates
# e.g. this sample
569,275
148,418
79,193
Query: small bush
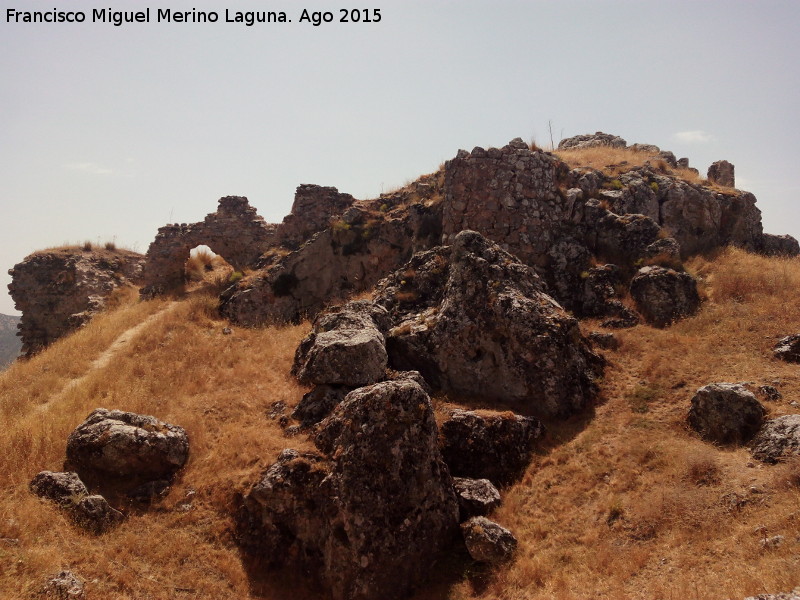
87,246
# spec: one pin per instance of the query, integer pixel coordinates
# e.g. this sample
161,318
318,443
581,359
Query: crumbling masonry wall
235,231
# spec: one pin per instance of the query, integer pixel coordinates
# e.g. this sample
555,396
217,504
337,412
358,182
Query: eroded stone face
368,517
479,324
58,291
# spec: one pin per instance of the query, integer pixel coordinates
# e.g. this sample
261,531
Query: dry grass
184,370
628,504
614,161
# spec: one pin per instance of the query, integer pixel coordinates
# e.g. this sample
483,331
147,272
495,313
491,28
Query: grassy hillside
625,502
10,344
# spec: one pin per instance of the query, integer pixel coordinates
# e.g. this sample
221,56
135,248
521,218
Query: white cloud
90,167
693,137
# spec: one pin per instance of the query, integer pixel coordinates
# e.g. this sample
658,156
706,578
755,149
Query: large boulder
493,446
487,541
779,438
475,321
346,347
368,517
788,348
663,296
117,444
725,413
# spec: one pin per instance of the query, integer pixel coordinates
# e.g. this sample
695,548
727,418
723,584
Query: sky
108,133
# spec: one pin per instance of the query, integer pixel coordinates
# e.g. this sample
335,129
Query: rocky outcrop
58,291
788,348
368,517
725,413
61,488
473,320
115,445
722,173
487,541
343,259
591,140
485,445
663,296
779,245
778,439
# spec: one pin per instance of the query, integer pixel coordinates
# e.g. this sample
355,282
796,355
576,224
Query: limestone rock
770,392
788,348
722,173
476,497
487,541
319,403
664,296
369,518
485,445
794,595
117,444
473,320
779,438
351,357
725,413
65,489
591,140
58,291
96,515
345,348
91,512
64,585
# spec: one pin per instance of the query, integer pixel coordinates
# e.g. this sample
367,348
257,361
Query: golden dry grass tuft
614,161
626,503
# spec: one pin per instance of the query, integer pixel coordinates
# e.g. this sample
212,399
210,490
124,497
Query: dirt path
105,358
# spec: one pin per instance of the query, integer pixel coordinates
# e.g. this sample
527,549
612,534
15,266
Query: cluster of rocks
384,476
371,512
59,290
117,453
730,414
472,320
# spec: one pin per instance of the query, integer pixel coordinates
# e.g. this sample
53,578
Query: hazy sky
107,133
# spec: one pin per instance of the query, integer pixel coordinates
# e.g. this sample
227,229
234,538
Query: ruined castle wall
235,231
509,195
